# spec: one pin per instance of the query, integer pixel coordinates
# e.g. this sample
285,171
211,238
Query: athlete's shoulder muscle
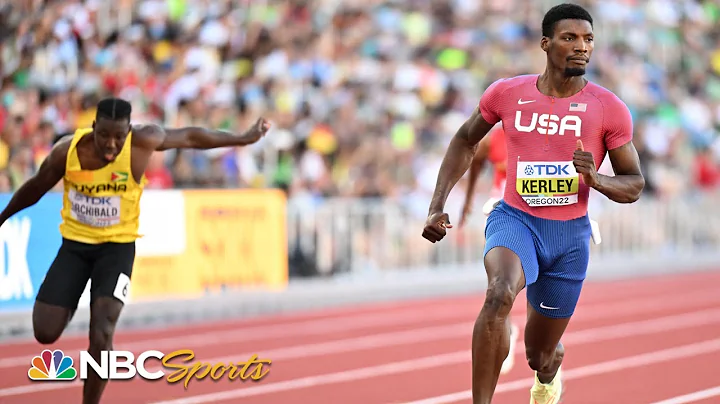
147,136
475,128
52,168
60,149
617,119
66,135
493,99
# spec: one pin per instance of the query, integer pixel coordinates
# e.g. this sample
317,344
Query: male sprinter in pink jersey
558,128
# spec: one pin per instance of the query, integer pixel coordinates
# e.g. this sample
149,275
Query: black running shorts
108,266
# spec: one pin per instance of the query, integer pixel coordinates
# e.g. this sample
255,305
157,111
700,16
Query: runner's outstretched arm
51,171
627,183
455,163
200,138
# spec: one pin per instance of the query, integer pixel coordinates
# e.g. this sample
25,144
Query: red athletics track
646,341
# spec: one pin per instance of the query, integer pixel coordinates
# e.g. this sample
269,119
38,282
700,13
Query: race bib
95,211
542,183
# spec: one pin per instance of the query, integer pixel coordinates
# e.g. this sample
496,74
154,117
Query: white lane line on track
617,294
260,333
618,331
692,397
324,326
678,352
649,358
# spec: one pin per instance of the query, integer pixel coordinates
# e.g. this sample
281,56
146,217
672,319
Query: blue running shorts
554,255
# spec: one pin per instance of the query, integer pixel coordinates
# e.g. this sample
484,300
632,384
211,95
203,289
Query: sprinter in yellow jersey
103,171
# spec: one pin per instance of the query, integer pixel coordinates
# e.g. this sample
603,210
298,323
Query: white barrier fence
343,235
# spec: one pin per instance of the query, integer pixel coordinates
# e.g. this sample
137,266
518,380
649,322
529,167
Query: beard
574,71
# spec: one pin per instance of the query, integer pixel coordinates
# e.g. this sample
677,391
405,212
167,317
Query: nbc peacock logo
52,365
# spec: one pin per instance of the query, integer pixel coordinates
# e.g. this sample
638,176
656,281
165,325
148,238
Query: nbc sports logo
122,365
52,365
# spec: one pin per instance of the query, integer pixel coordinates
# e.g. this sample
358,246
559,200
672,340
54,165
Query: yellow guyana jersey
101,206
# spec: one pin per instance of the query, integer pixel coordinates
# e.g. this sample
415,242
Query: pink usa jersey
541,136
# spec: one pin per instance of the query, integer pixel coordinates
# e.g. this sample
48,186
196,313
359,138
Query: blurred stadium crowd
364,94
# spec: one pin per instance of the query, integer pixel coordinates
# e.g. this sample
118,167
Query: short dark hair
114,108
565,11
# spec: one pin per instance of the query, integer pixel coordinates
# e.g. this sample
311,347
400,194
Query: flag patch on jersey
578,107
118,177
